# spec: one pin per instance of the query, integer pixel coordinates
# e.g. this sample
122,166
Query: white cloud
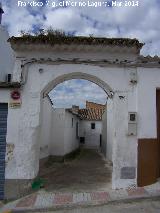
19,18
66,19
76,92
134,22
140,22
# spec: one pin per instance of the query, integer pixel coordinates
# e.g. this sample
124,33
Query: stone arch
77,75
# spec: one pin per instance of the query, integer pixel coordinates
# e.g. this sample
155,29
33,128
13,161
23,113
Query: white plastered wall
148,81
108,130
104,133
46,128
124,148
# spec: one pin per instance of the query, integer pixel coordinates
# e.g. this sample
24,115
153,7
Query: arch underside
78,75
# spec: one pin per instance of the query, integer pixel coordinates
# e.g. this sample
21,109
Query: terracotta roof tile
91,114
92,105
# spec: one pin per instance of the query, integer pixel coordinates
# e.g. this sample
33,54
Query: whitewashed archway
78,75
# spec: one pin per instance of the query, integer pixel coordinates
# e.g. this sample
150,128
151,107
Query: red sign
15,95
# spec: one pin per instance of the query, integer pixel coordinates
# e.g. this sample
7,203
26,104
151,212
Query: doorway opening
158,130
3,132
73,139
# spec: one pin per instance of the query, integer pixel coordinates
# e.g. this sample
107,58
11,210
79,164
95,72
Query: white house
131,81
91,125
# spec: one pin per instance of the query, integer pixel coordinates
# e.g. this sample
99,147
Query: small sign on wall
15,99
128,173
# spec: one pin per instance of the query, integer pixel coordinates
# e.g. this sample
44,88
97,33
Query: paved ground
144,206
42,199
89,171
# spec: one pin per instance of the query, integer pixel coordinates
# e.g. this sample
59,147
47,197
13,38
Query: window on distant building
93,125
82,140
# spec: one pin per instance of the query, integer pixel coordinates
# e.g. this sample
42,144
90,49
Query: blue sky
140,22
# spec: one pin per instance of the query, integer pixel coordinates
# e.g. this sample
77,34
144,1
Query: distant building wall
71,140
57,131
92,136
64,138
57,143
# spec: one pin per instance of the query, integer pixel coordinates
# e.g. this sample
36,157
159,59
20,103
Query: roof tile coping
91,114
149,58
78,40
